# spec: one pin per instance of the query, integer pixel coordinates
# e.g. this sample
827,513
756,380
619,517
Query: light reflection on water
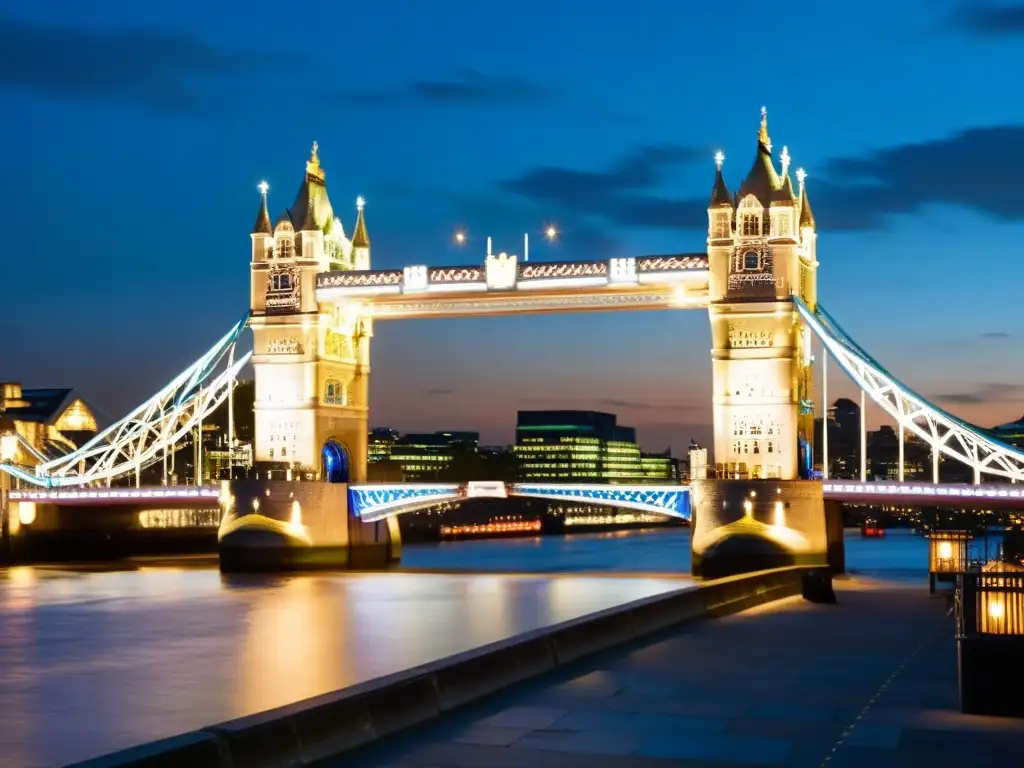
93,662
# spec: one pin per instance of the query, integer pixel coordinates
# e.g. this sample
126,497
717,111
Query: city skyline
160,177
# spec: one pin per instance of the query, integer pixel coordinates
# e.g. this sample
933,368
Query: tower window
783,224
281,282
751,224
722,225
285,247
751,261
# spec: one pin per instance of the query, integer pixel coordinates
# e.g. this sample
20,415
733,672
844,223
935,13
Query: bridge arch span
375,502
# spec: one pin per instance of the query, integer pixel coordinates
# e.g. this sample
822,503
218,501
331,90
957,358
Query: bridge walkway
869,682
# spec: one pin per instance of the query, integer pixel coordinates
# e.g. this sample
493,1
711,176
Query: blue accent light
370,503
666,500
335,462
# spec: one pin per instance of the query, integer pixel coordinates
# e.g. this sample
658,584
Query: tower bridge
314,299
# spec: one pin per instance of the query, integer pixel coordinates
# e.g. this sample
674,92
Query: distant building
660,467
379,444
37,424
428,457
580,447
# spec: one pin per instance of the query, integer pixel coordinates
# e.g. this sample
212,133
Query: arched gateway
314,300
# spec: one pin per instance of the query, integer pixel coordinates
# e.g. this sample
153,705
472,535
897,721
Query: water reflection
94,662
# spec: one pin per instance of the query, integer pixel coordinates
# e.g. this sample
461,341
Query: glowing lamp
947,556
26,512
550,232
990,639
8,446
460,238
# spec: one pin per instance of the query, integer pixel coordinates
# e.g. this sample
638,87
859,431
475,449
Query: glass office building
578,447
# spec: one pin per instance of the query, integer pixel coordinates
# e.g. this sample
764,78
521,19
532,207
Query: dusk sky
135,135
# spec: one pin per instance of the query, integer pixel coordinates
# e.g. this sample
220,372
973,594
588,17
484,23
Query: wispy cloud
996,335
467,88
993,392
620,194
984,18
138,66
439,392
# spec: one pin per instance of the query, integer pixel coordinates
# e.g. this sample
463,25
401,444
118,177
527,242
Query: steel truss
942,431
145,435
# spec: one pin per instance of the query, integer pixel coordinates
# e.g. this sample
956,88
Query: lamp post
461,238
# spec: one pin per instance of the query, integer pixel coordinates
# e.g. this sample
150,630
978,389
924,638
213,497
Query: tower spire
313,164
262,225
720,196
360,238
806,214
762,134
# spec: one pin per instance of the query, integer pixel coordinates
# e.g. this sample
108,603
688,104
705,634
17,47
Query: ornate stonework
742,337
339,345
284,347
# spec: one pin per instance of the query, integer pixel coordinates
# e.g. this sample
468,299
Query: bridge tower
311,363
759,508
761,251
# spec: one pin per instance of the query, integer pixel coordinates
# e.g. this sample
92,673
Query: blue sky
136,134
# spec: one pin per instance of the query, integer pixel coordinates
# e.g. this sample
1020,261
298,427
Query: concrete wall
739,526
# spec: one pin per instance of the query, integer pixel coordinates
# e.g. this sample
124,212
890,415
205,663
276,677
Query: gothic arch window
335,392
751,261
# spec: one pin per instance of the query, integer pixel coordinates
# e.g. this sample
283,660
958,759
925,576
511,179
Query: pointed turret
720,196
806,214
312,208
262,225
360,238
784,194
762,181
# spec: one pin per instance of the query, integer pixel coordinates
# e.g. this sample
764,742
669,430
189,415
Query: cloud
984,18
620,194
996,335
468,87
439,392
137,66
984,393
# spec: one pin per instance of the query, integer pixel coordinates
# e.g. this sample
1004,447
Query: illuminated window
783,224
751,224
722,225
285,246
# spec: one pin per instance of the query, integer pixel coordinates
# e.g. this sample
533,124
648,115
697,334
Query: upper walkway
869,682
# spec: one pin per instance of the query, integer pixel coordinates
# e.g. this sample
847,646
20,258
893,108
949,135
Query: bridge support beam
276,525
740,526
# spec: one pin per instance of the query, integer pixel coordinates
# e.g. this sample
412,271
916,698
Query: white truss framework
942,431
143,436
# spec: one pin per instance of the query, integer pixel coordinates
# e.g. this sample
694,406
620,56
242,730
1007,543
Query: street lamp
460,237
550,233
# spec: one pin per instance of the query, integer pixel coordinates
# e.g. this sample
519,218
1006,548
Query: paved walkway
869,682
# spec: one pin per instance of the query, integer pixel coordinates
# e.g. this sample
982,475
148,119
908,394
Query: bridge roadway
375,501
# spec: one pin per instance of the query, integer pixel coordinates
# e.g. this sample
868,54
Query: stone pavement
868,682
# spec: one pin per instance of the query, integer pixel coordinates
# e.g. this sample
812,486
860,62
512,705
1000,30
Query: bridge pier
740,526
276,525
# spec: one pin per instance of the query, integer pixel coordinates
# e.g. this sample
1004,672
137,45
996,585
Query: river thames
97,659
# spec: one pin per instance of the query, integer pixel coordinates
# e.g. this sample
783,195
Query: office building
578,447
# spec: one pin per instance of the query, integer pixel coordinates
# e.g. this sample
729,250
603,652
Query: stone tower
311,364
761,252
